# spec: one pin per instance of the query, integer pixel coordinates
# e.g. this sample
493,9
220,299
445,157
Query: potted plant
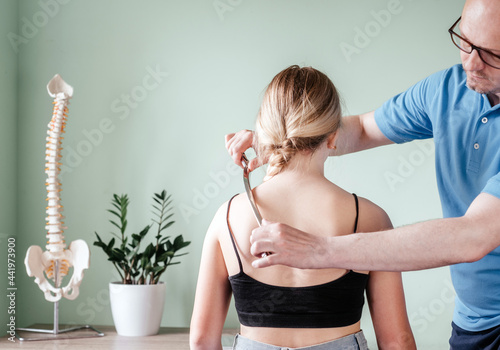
137,300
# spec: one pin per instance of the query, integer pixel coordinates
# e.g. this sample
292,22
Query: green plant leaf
114,213
98,238
111,243
160,250
117,255
169,245
100,244
157,269
146,264
117,206
132,253
164,257
178,241
144,231
163,240
114,223
167,225
184,244
150,251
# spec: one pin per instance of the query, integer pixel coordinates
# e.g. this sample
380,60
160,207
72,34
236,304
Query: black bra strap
357,212
231,233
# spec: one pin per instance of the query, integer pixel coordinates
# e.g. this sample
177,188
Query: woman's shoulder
372,217
219,223
228,214
227,206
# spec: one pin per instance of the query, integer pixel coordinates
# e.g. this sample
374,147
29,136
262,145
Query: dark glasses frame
473,47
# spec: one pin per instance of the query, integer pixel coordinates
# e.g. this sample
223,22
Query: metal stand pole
56,333
56,317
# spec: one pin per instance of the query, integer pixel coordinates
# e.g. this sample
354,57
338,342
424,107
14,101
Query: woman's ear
332,138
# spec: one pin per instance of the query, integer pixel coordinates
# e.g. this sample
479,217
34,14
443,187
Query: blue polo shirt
466,132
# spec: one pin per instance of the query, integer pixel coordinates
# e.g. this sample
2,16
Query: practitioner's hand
288,246
238,143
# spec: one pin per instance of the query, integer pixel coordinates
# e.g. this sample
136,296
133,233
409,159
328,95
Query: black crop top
333,304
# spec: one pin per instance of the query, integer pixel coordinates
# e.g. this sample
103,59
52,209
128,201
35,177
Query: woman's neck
305,164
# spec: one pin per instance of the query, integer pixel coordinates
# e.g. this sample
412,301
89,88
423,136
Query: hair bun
280,155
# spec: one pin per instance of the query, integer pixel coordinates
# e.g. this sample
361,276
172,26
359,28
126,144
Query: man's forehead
481,28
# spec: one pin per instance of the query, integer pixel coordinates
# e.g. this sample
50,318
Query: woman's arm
213,292
388,310
385,292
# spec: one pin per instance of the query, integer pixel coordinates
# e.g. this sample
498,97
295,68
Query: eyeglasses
488,57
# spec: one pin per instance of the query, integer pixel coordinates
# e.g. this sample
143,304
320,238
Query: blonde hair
300,109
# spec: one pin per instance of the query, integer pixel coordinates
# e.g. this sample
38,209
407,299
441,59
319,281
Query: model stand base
32,334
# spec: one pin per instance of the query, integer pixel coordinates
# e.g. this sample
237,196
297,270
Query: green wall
158,84
8,168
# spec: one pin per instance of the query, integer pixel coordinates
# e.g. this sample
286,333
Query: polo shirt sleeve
407,116
493,186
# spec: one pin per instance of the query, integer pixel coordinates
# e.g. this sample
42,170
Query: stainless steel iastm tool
248,190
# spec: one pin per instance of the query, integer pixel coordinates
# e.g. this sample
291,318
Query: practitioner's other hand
237,144
286,245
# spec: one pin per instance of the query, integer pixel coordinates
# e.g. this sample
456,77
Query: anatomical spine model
54,263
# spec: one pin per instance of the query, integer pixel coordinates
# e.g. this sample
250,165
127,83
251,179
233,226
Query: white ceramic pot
137,309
